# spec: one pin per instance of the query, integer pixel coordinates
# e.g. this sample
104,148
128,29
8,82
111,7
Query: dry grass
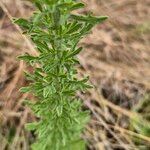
117,59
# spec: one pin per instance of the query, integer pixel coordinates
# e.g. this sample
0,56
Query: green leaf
74,28
42,46
75,52
29,76
59,110
75,145
56,17
70,6
77,6
27,57
38,5
69,92
31,126
46,91
89,19
88,86
37,19
64,5
22,23
101,19
25,89
50,2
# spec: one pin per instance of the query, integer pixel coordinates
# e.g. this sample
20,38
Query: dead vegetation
117,59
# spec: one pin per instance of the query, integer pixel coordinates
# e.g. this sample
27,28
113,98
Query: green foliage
55,31
142,125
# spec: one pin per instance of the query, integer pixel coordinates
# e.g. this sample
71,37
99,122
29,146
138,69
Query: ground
116,56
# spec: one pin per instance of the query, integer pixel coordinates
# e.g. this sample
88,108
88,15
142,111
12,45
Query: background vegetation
117,59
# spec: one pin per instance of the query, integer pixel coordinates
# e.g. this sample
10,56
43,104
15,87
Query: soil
116,56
